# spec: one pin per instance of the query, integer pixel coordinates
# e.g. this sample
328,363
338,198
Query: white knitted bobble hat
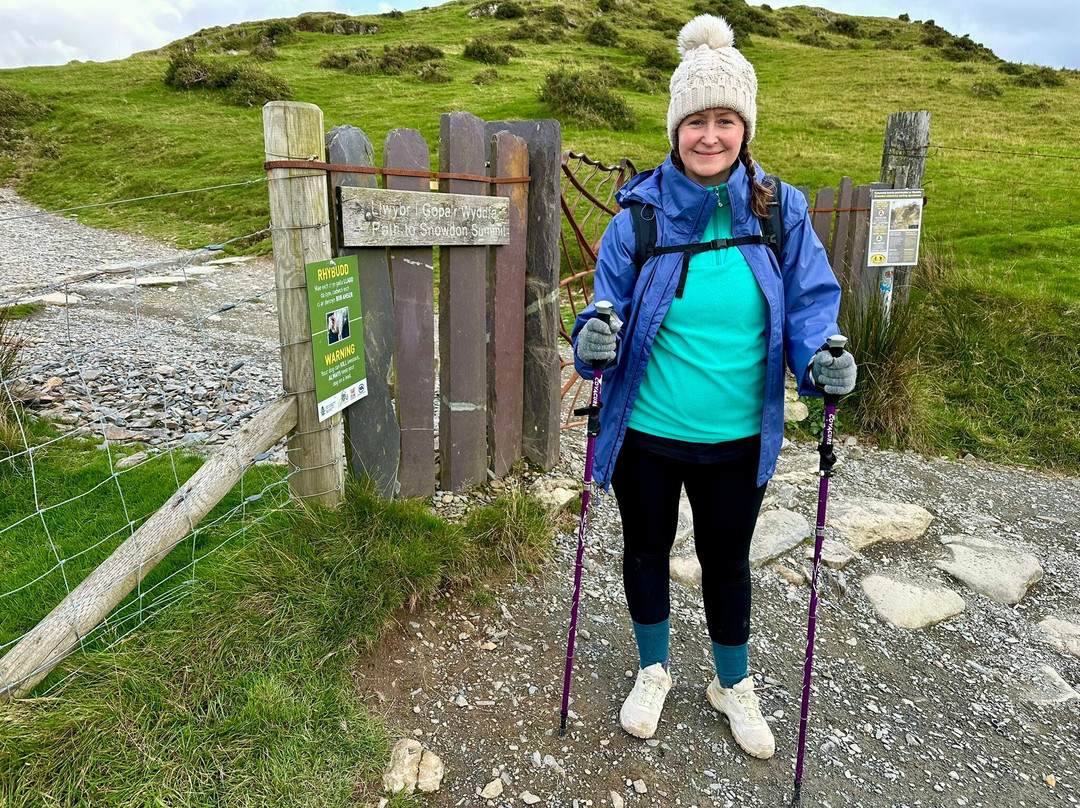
712,74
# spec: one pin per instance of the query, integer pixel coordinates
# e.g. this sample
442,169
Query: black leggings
725,501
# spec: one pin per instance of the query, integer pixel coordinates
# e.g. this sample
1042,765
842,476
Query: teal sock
652,643
732,665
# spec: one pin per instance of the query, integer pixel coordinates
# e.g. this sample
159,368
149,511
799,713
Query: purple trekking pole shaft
836,345
603,311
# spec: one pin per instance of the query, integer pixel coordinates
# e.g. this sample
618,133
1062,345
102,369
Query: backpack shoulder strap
643,218
772,227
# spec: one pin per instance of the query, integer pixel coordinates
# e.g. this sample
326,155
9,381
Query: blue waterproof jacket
801,295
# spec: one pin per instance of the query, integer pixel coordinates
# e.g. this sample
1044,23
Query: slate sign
371,217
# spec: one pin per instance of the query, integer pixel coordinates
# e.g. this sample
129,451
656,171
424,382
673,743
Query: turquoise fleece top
705,381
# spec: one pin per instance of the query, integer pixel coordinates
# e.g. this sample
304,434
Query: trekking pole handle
604,308
836,344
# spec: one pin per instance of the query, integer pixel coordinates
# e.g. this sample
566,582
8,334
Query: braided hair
760,195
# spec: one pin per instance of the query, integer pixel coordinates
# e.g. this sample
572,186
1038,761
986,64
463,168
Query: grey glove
833,374
596,341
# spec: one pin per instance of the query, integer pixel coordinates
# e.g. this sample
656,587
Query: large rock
908,604
404,767
777,532
685,570
684,530
864,522
1062,634
999,572
556,494
430,774
834,554
1047,687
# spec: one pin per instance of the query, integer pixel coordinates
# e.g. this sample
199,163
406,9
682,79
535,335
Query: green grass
100,132
242,694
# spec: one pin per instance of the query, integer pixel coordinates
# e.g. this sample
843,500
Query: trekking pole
836,345
603,311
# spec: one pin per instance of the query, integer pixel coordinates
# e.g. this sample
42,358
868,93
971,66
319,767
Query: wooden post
301,234
413,278
822,220
462,321
542,406
506,307
838,251
903,163
45,645
371,426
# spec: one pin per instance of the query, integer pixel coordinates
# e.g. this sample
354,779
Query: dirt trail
935,717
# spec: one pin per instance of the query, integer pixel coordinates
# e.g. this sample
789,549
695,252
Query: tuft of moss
487,76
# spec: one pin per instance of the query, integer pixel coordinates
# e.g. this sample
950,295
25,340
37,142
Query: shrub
661,57
279,32
264,52
483,50
985,89
487,76
744,19
606,5
434,73
318,21
666,25
252,87
1011,68
904,18
540,34
509,11
601,33
556,15
815,39
964,49
1040,77
246,84
650,80
585,98
848,26
883,33
393,14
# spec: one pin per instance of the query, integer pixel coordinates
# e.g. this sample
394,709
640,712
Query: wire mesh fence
117,381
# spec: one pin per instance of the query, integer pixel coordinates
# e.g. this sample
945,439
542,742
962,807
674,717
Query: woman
694,380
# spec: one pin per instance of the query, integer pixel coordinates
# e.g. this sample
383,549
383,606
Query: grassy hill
997,305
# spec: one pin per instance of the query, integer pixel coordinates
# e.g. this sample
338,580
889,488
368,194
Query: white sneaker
641,711
748,725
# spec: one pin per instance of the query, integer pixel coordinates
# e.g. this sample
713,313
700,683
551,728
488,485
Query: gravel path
173,349
937,717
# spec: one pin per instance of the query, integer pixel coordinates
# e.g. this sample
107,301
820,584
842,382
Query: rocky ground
134,339
975,707
960,713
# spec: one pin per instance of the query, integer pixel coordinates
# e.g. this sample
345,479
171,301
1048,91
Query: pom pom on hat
712,74
705,30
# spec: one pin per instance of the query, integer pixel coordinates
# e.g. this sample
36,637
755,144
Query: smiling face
709,144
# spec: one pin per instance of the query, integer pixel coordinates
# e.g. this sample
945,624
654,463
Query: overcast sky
48,32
